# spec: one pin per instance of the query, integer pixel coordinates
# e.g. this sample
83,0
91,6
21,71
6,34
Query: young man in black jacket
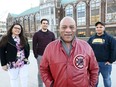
104,47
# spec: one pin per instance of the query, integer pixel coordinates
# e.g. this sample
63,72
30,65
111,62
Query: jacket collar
11,40
73,41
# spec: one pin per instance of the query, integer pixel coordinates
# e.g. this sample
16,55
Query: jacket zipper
12,44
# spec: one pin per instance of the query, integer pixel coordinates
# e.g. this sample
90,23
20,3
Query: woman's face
16,30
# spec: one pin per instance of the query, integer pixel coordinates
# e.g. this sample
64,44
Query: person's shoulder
54,43
36,33
109,36
81,42
92,36
3,40
4,37
50,31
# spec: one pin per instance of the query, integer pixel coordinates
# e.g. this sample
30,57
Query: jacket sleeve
89,41
35,43
27,50
112,43
3,55
53,37
45,69
93,69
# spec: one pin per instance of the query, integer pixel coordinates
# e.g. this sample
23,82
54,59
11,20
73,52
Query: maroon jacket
41,40
80,69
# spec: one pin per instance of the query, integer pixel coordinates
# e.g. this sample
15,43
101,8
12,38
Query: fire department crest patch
79,61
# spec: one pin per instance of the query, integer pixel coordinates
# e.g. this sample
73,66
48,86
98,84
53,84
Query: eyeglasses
17,28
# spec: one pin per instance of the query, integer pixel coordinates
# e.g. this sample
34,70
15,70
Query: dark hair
99,23
44,20
23,39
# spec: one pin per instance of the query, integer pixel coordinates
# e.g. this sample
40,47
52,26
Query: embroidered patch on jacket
79,61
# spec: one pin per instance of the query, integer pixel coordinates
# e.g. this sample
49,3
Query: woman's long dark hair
23,39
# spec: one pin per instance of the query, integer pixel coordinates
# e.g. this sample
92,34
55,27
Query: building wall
31,22
85,12
2,27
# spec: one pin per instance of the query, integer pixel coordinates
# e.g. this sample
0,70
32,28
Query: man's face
67,30
100,29
44,25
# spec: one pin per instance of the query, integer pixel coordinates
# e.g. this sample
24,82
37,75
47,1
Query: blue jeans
105,71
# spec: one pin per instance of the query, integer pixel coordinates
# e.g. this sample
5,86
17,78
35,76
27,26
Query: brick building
85,12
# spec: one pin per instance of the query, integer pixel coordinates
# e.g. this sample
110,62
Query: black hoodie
104,47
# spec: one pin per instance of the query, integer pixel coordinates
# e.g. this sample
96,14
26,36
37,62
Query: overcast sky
15,6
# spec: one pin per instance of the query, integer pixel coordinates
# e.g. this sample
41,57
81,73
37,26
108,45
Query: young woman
14,52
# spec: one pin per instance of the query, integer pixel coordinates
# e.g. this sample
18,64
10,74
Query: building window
37,21
26,21
81,13
110,11
94,11
52,22
52,10
20,20
31,23
69,10
81,34
45,11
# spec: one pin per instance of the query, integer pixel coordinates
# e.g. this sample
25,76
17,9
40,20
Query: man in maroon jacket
40,41
68,61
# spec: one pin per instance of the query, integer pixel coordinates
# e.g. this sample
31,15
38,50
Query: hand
5,68
26,60
107,63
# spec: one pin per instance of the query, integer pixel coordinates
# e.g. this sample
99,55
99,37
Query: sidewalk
4,77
